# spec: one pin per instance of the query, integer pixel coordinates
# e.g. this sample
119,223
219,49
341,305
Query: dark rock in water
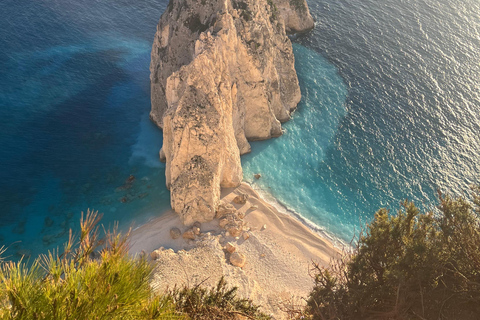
127,185
23,253
20,227
106,201
53,237
257,176
95,255
142,195
48,222
123,188
64,224
48,239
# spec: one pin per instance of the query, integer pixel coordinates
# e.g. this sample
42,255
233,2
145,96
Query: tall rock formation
222,73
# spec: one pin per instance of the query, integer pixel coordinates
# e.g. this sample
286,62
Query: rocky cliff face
222,73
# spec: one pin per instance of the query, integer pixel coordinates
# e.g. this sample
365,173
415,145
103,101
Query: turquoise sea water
390,109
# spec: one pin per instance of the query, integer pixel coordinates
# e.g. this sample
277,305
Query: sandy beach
279,252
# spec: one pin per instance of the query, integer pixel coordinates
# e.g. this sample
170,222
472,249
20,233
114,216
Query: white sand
278,258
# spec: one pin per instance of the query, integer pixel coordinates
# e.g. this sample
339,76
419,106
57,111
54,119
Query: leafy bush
214,304
407,266
75,285
82,284
299,5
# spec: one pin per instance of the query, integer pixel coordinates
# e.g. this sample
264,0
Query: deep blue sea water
390,109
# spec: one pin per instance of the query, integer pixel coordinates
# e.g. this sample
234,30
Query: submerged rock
20,227
48,222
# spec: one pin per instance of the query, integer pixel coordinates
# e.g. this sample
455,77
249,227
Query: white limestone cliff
222,73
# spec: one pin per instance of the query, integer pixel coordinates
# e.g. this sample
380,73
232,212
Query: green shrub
274,10
82,284
407,266
75,285
299,5
214,304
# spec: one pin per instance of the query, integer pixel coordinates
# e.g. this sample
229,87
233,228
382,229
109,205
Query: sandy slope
278,257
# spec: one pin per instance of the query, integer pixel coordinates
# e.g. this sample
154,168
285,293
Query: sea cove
400,118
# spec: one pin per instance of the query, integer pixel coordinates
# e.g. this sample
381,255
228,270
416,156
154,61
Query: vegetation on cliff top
83,284
407,266
410,265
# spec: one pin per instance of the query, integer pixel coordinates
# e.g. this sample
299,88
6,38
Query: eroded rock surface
222,73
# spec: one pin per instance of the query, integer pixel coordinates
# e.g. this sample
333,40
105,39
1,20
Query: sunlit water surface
390,109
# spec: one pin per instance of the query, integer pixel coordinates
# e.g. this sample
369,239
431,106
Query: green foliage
75,285
299,5
82,284
407,266
274,10
194,23
214,304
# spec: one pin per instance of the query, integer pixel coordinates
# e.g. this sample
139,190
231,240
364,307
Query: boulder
241,199
155,254
197,224
175,233
230,247
238,259
230,220
189,234
223,222
196,230
225,209
234,230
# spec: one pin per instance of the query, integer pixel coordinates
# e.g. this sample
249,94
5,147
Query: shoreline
282,208
279,253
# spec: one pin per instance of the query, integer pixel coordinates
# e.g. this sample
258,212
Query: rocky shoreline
269,262
222,74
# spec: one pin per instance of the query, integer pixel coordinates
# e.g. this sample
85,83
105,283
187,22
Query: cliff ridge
222,73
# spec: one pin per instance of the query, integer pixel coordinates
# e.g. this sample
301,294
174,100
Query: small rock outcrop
222,73
175,233
241,199
230,247
189,234
238,259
